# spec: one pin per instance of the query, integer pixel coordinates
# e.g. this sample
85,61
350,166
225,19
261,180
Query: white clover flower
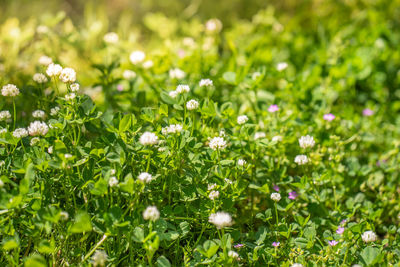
42,29
5,115
54,111
113,172
148,64
70,96
148,138
213,26
38,128
188,41
50,150
217,143
74,87
20,133
281,66
67,156
64,215
113,181
34,141
137,57
45,60
211,186
111,38
192,104
213,195
205,82
222,133
173,94
1,183
145,177
40,78
2,163
296,265
220,219
129,74
53,70
9,90
182,88
277,138
233,254
276,197
99,258
40,114
369,236
68,75
241,162
176,73
301,159
151,213
306,141
3,130
171,129
255,75
242,119
259,135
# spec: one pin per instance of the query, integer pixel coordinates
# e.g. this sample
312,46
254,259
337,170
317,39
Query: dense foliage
272,142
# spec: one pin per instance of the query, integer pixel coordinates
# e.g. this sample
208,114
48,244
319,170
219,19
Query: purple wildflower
238,245
329,117
333,243
293,195
273,108
368,112
276,244
340,230
276,188
343,222
380,162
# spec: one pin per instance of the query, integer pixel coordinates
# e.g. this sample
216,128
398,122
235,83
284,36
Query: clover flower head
151,213
369,236
213,195
99,258
176,73
182,88
192,104
39,114
113,181
53,70
40,78
68,75
148,139
205,83
137,57
242,119
220,219
111,38
306,141
276,197
38,128
10,90
217,143
145,177
301,159
20,133
5,115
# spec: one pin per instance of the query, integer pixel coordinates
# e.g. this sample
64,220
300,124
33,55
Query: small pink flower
340,230
333,243
120,87
238,245
276,244
293,195
276,188
368,112
273,108
329,117
343,222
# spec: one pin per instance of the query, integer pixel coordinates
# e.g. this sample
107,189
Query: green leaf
126,123
82,223
229,77
162,261
35,260
29,175
369,255
138,235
